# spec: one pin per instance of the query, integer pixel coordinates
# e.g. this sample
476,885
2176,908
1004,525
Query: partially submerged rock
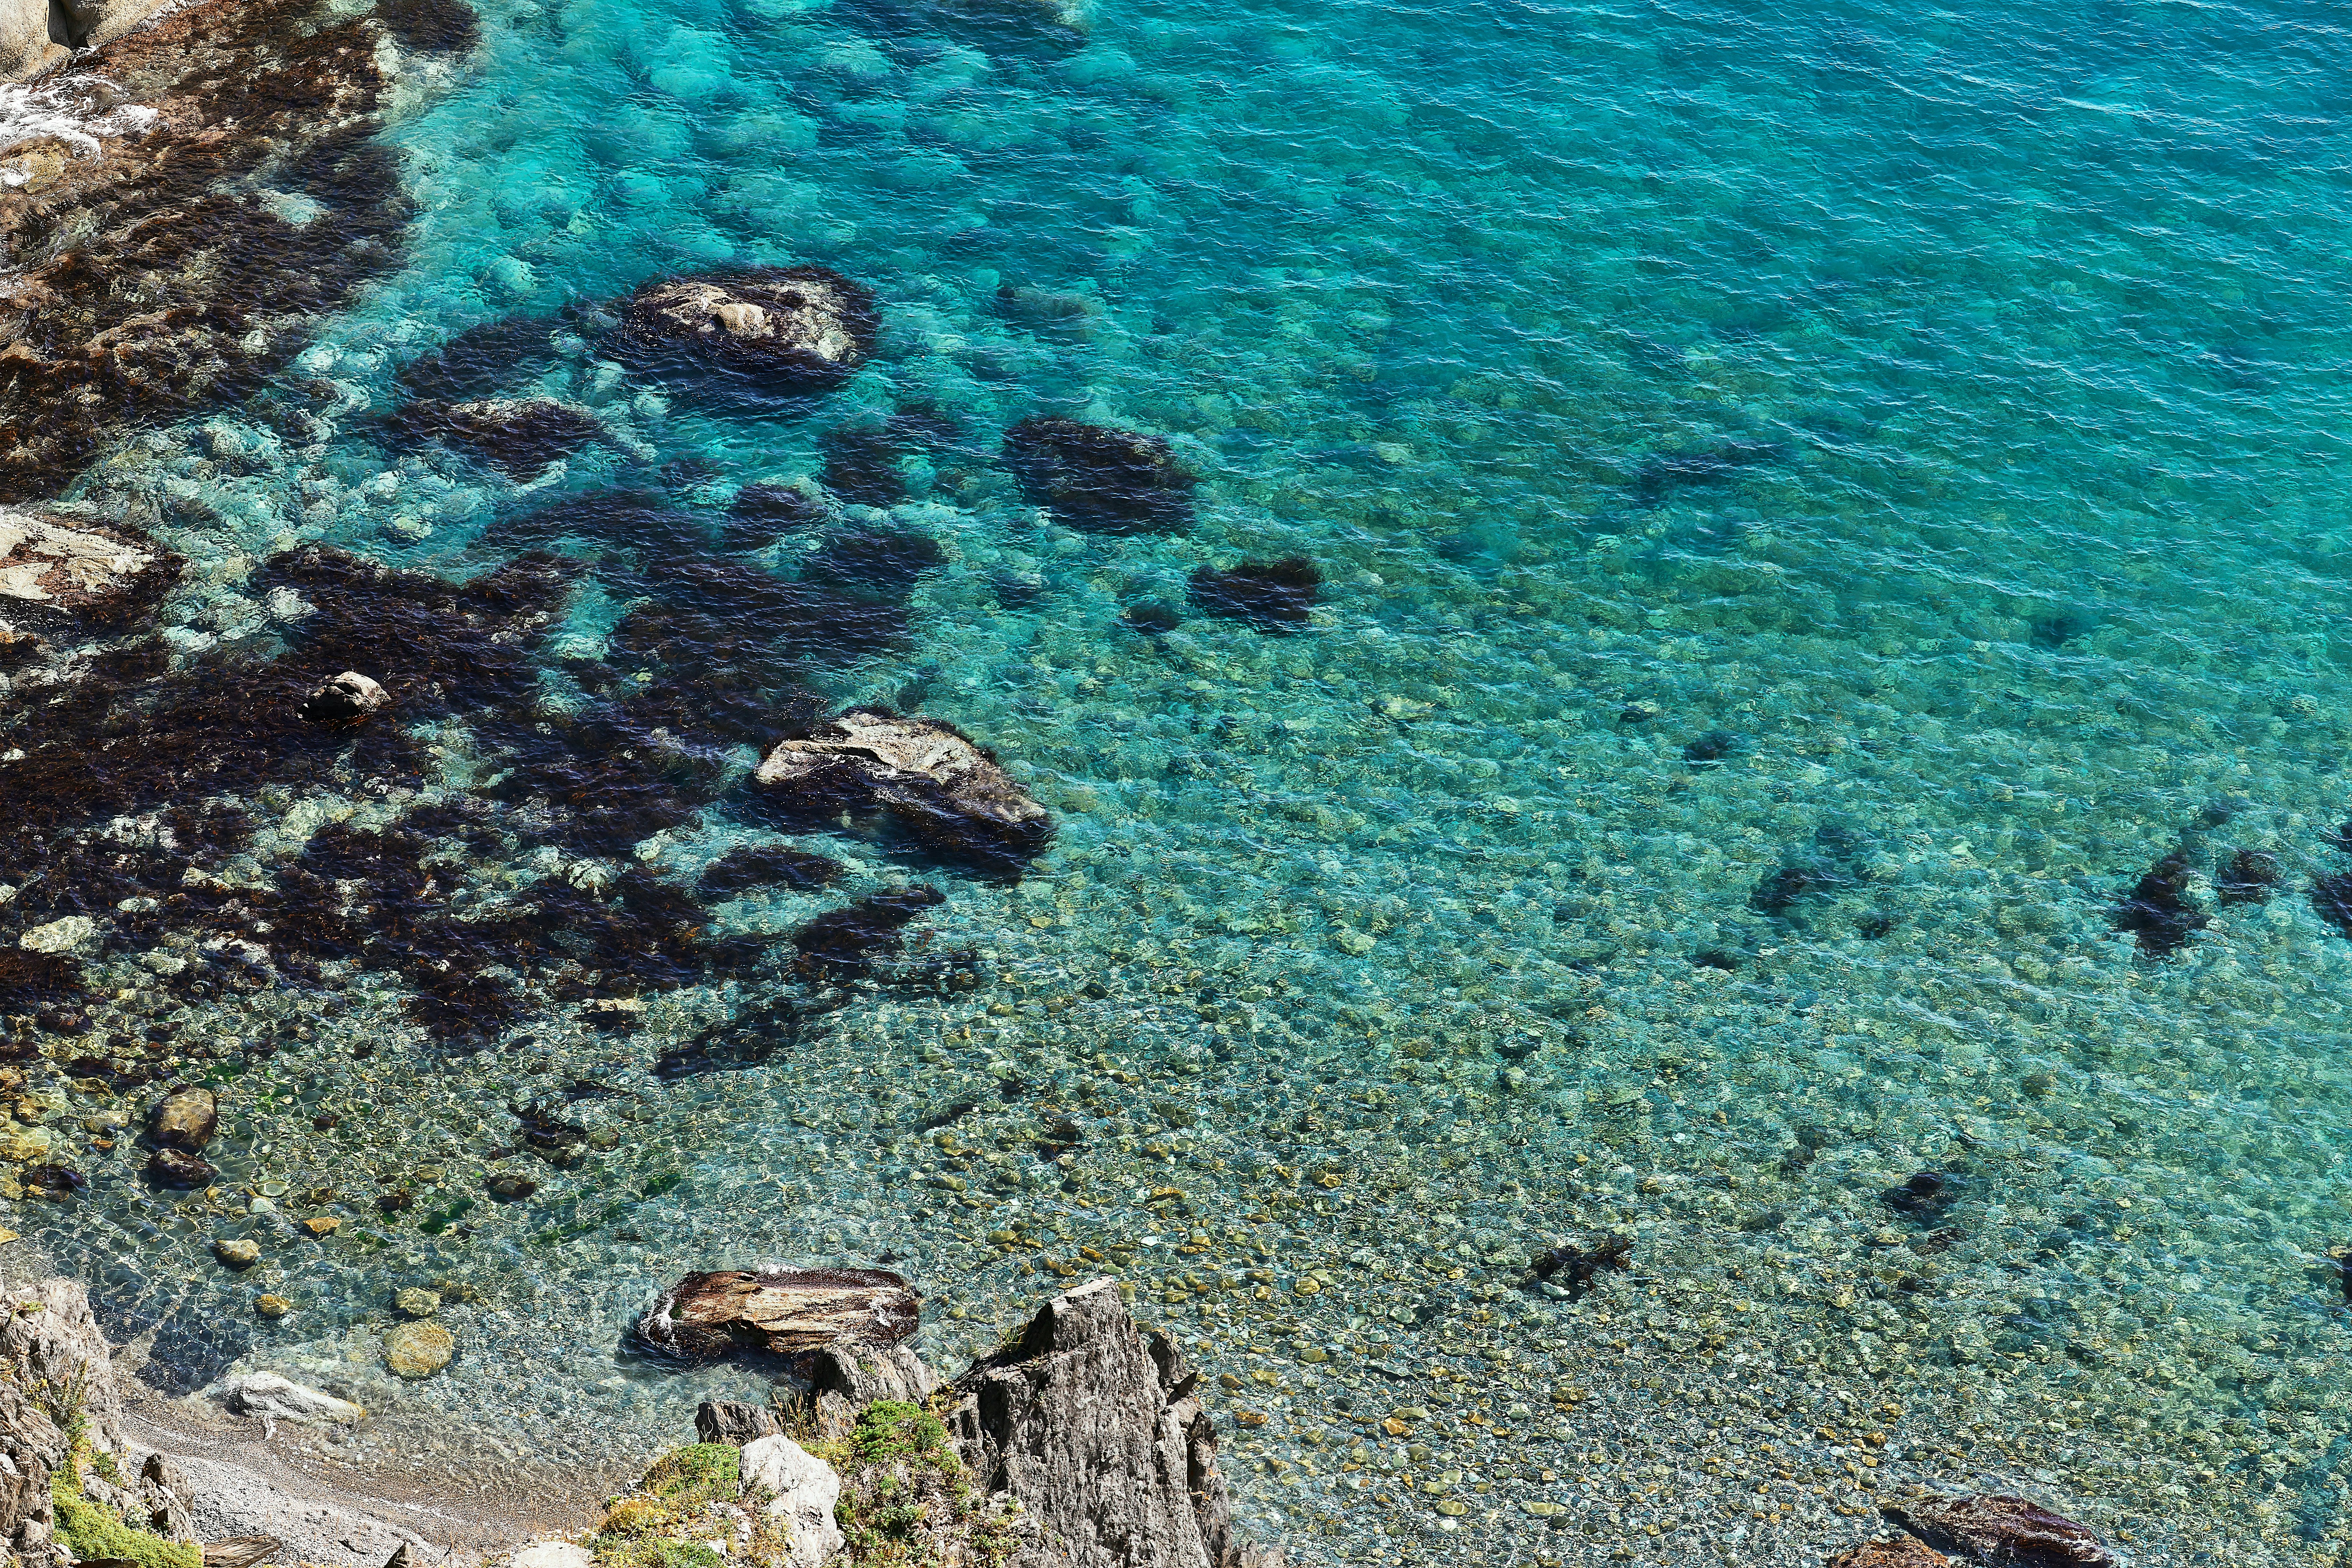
346,699
800,326
101,572
265,1393
1096,1431
802,1489
1994,1528
186,1118
1099,478
789,1312
945,789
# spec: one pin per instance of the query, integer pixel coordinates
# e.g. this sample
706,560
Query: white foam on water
80,112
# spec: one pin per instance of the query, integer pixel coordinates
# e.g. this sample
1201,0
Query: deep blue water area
1820,671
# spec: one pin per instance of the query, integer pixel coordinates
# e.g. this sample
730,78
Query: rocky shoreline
1080,1443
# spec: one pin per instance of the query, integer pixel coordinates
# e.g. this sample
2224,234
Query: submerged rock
1993,1528
1096,1431
2159,911
947,791
238,1253
804,327
418,1348
2249,876
802,1489
1099,478
178,1168
1903,1551
282,1399
789,1312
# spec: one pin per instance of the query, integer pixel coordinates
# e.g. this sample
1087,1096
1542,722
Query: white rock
553,1554
58,936
265,1393
805,1490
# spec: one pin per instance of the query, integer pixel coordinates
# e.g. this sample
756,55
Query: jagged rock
1094,1431
265,1393
186,1118
1901,1553
1993,1528
844,1378
65,562
804,1488
346,699
801,326
790,1311
733,1421
19,647
1099,478
944,788
50,1344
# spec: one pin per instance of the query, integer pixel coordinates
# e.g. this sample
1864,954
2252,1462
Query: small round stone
418,1349
239,1253
416,1302
272,1308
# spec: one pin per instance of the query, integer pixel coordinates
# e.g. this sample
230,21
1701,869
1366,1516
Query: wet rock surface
104,572
154,280
942,787
1097,1430
787,1311
1999,1530
798,326
1903,1551
518,436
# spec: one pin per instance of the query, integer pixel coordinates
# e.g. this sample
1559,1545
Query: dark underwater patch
1100,480
1271,597
2159,913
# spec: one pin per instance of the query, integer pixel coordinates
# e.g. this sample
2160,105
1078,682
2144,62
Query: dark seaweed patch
880,563
482,359
861,466
1098,478
1273,597
518,437
2159,911
1660,475
749,866
846,941
762,515
1711,749
2247,876
30,980
2331,900
431,26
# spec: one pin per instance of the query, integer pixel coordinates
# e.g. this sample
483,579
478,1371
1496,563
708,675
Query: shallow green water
1934,416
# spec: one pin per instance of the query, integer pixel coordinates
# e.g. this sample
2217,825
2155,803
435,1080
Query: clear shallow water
1942,406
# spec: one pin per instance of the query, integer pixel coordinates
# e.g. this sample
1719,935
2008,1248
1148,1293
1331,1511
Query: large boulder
793,1312
796,327
26,49
1094,1429
942,787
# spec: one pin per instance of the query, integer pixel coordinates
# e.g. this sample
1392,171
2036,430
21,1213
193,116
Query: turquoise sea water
1899,446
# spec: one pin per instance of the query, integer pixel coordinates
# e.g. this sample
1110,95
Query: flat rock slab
68,564
789,1312
944,786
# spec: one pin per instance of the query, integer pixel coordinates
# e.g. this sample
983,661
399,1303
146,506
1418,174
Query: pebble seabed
1371,960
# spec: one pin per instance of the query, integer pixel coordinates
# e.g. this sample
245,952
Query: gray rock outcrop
802,1490
55,1371
1095,1430
61,561
26,47
733,1421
